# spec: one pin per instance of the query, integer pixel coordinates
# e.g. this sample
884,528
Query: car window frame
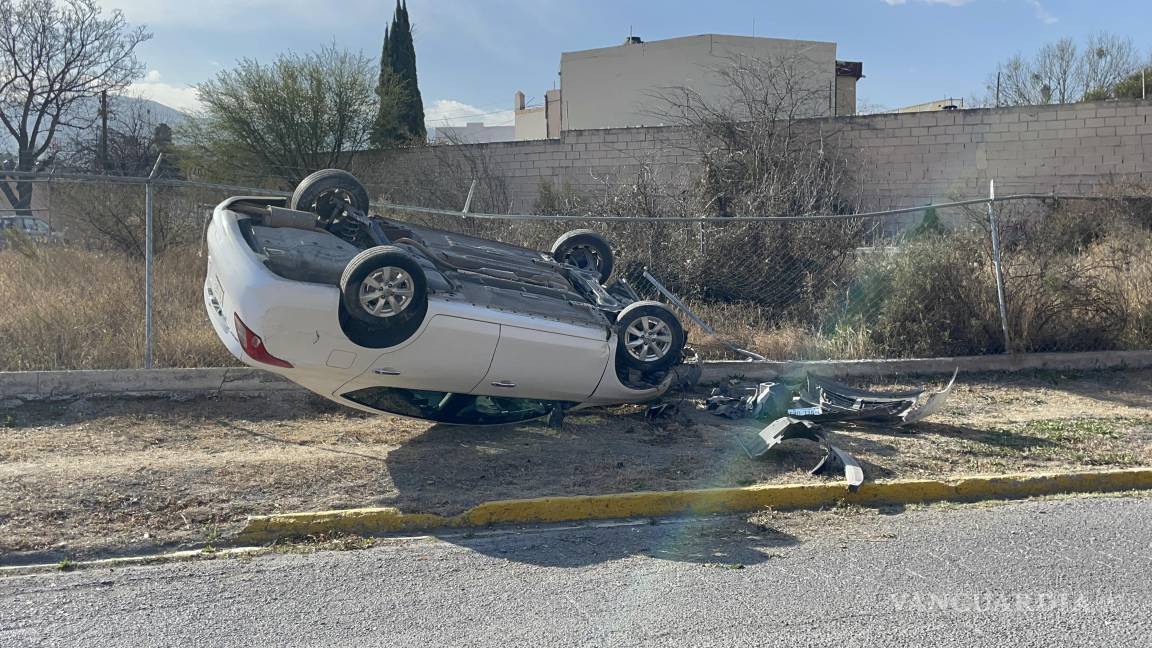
429,405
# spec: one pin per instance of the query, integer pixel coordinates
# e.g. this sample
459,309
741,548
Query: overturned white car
389,317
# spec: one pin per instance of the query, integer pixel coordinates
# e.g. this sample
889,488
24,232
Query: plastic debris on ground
798,405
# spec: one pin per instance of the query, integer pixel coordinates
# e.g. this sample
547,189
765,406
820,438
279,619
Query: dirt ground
89,478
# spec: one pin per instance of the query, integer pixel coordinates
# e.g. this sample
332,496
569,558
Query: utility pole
997,88
102,147
149,261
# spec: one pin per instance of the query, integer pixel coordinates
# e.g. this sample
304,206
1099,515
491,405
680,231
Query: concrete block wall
917,158
904,159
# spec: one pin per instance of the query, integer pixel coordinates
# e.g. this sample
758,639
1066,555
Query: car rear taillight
254,346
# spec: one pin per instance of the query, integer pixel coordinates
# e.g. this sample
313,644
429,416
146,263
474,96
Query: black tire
630,356
326,192
586,250
390,323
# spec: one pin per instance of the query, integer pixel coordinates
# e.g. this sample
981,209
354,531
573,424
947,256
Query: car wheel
649,337
586,250
385,288
327,192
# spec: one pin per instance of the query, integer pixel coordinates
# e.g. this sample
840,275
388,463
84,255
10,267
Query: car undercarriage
387,270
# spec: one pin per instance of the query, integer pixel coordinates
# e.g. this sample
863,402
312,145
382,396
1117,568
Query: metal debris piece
785,428
812,398
556,418
797,405
689,371
777,432
660,410
722,403
772,400
932,404
837,458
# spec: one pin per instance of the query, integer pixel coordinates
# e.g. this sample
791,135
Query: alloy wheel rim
648,339
387,291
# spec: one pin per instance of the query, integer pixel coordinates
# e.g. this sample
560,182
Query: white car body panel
460,347
465,346
577,364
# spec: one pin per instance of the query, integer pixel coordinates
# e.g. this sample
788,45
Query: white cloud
237,15
1042,14
182,98
449,112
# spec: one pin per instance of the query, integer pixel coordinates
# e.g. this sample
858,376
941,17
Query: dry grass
67,308
751,327
104,475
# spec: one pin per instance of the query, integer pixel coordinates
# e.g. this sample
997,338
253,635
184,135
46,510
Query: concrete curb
1087,361
45,385
269,529
371,521
134,561
41,385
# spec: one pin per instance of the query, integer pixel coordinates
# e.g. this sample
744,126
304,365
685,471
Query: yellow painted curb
368,521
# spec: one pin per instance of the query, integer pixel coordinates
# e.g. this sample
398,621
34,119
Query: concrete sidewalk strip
42,385
38,385
1015,362
374,521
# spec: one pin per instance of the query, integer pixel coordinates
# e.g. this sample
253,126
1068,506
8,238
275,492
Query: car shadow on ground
448,469
246,430
990,436
721,541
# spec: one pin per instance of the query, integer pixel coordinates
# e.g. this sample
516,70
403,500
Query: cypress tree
401,115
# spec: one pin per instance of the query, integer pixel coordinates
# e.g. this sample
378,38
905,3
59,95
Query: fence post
148,199
468,200
999,271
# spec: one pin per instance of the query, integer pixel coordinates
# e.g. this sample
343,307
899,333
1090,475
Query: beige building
538,122
932,106
622,86
472,133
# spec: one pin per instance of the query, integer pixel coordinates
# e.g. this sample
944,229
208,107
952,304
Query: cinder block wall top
904,160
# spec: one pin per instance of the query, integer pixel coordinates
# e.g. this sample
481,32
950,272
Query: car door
452,354
531,363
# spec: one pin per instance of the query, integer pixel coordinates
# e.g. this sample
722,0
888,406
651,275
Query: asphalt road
1068,572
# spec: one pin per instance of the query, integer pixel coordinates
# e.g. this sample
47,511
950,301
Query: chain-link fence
1076,272
1076,275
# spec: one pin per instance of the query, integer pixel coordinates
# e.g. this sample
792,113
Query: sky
472,56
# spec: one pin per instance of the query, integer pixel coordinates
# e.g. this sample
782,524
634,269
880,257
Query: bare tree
54,55
1106,61
759,156
279,122
1063,72
135,139
110,215
1058,70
